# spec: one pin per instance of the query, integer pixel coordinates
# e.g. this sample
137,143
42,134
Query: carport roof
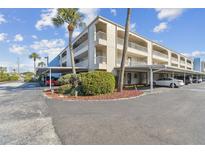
162,68
41,70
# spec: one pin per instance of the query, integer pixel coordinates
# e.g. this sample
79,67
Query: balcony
132,45
83,63
157,53
82,45
131,64
174,59
101,62
101,35
63,59
182,62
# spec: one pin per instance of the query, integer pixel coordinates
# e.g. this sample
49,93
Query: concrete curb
103,100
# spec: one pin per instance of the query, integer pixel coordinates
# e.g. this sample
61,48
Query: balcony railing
182,62
83,63
101,60
132,45
132,63
82,45
157,53
101,35
174,59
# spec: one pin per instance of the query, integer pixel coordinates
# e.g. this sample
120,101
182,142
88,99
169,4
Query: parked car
54,81
195,80
187,81
169,82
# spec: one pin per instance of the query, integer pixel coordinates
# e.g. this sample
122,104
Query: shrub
65,89
14,77
65,79
96,83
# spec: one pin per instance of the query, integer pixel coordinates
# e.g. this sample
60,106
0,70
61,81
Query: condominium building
100,45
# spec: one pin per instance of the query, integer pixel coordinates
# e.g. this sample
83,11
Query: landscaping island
96,85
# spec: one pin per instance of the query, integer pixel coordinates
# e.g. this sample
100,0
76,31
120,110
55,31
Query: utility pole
18,65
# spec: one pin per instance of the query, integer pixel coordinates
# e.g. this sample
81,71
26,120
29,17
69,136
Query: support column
50,78
151,80
172,79
149,58
184,78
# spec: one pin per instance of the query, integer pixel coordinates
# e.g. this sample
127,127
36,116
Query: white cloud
2,19
3,37
18,49
18,38
49,47
133,27
34,37
160,28
113,12
195,54
46,19
89,13
169,14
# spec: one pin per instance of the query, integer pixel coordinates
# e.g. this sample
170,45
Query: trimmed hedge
90,83
65,79
97,82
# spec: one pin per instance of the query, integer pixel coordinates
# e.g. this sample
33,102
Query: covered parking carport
49,70
172,71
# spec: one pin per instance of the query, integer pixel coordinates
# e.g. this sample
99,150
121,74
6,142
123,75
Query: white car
168,82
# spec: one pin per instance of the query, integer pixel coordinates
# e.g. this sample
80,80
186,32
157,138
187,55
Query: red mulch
114,95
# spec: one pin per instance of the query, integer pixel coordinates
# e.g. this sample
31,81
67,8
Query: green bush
96,83
14,77
65,89
65,79
28,76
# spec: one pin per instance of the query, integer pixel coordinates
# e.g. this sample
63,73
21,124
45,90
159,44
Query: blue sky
23,31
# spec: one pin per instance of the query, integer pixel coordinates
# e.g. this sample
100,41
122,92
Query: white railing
132,45
189,64
132,63
174,59
101,60
182,62
101,35
83,63
82,45
157,53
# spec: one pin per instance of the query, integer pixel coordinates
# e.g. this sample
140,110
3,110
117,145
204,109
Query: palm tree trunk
71,52
125,45
34,63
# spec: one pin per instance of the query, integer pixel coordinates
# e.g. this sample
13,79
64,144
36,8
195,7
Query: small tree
41,64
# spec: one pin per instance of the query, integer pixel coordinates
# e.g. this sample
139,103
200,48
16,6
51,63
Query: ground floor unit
138,75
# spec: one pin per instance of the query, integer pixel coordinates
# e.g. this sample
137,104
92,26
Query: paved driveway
24,116
175,116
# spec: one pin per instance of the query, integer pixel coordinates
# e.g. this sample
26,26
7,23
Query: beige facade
100,45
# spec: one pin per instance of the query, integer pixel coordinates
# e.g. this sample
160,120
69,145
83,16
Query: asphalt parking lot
24,115
171,116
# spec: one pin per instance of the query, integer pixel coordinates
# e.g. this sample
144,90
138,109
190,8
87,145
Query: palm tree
125,45
73,18
41,64
34,56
